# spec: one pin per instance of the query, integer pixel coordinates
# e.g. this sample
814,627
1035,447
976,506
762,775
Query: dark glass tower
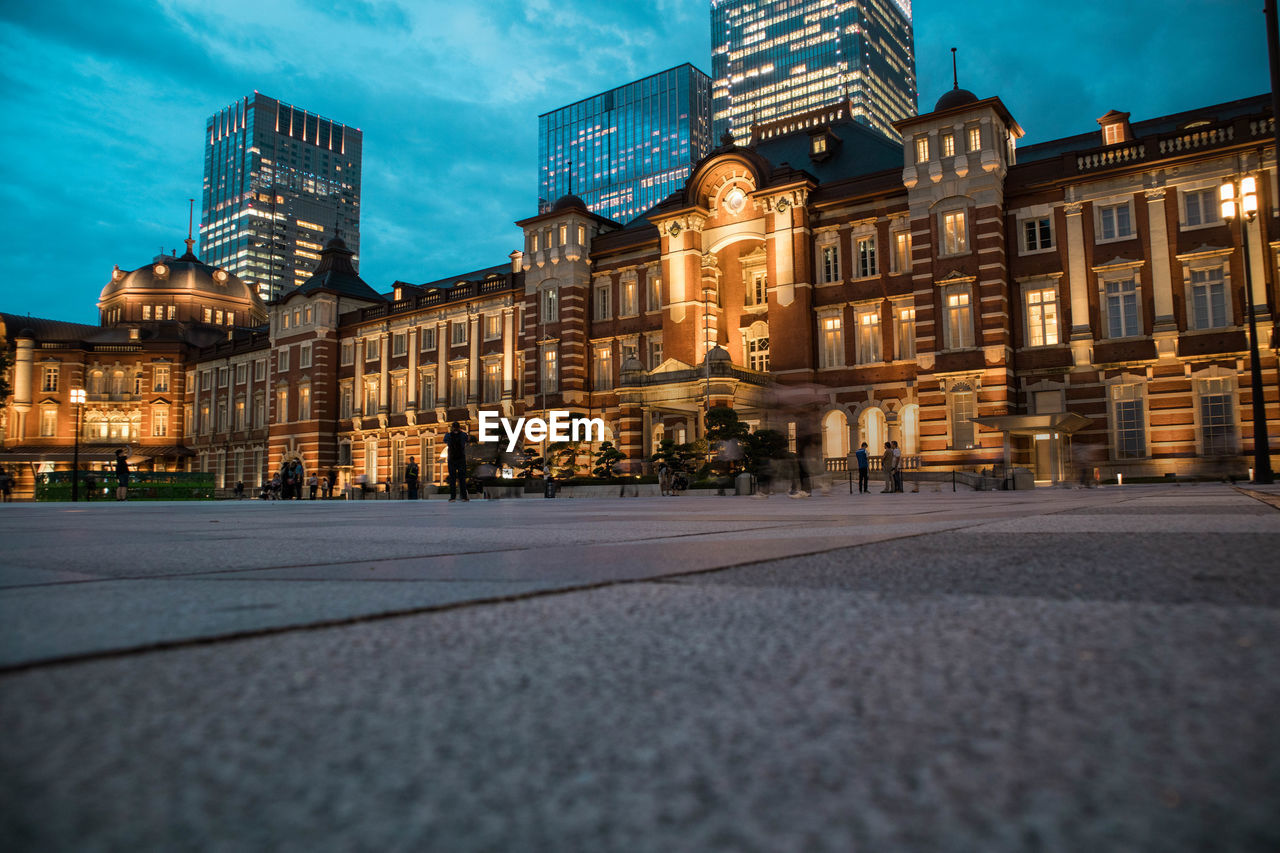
627,149
278,180
772,59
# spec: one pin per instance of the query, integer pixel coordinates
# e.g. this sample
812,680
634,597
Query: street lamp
77,400
1241,207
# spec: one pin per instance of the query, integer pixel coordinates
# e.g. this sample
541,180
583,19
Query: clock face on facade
161,270
735,200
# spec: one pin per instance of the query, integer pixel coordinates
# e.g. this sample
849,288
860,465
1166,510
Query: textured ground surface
1059,670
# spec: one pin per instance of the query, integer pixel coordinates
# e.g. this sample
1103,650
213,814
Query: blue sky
106,104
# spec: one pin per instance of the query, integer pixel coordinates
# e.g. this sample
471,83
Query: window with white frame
653,282
282,403
829,264
922,148
1121,306
1115,221
758,350
458,385
49,380
1037,234
870,348
1217,415
973,137
901,251
458,332
259,410
831,341
963,407
866,250
427,390
304,402
159,421
224,416
370,395
1200,207
757,291
630,352
260,370
371,460
549,305
1128,421
492,381
146,312
602,367
399,343
601,301
206,380
282,363
345,400
550,372
206,420
955,232
306,314
492,326
427,338
1209,298
371,349
399,394
1042,316
238,420
655,352
947,144
304,356
958,315
904,318
630,298
48,422
242,373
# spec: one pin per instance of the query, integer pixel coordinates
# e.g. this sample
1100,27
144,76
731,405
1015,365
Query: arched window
835,435
756,341
96,383
872,429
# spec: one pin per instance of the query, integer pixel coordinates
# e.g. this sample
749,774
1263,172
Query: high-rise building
278,182
770,60
624,150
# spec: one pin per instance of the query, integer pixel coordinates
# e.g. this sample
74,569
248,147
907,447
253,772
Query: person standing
455,442
886,468
864,468
6,486
897,468
122,476
411,479
664,478
313,483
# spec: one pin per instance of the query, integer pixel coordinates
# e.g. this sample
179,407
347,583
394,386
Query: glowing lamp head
77,396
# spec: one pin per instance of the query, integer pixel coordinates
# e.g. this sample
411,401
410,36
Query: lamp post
1241,207
77,400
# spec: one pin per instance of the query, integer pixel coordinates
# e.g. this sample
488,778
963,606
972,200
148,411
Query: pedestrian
6,486
455,442
411,478
886,468
313,484
90,484
326,488
122,476
332,480
276,487
897,468
664,477
239,489
864,468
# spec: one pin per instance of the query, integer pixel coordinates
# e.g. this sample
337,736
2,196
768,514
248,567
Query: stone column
1081,335
411,338
1165,327
22,383
442,361
508,351
473,359
384,396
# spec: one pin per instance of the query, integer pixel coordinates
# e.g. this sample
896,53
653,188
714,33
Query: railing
719,370
1192,140
841,463
1110,157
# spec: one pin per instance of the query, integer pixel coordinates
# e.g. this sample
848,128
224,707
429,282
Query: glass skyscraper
627,149
776,58
278,180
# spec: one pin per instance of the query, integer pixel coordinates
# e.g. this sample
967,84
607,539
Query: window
348,353
959,318
757,291
345,400
370,349
831,347
304,356
819,145
146,312
1037,234
260,370
955,238
1114,222
830,268
867,265
1112,133
160,421
224,376
399,343
427,390
1042,317
758,353
1128,421
602,302
550,371
654,283
231,318
492,327
1122,308
869,338
397,460
947,142
259,410
242,372
973,136
49,382
1201,208
48,422
963,408
602,367
282,404
1208,298
206,380
239,415
172,312
304,402
371,460
1217,416
282,361
297,317
492,381
655,353
399,394
458,385
533,242
922,149
370,395
630,352
582,235
217,317
208,317
630,303
549,305
904,317
901,251
458,333
206,422
96,383
137,383
306,314
427,338
564,235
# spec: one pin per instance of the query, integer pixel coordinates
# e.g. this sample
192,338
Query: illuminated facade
626,149
772,60
277,181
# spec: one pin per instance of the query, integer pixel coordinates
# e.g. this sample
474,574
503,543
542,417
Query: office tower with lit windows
771,60
624,150
278,181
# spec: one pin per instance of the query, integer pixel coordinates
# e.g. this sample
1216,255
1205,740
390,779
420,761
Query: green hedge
143,485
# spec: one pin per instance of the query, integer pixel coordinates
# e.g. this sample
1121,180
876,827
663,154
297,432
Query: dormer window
819,145
1115,128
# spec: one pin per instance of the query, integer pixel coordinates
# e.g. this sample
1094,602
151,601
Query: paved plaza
1055,670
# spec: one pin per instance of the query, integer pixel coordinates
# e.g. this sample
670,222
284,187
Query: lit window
1121,298
1112,133
602,367
160,379
947,142
630,304
399,394
1042,317
922,149
654,282
160,421
370,395
959,317
550,371
974,137
1037,234
492,381
757,289
239,414
344,400
955,237
831,351
869,338
48,422
549,305
146,312
905,330
458,386
901,251
1208,299
492,327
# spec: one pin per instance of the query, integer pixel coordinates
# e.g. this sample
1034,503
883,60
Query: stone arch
836,439
873,428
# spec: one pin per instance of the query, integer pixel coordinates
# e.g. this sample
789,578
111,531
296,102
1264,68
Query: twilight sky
107,102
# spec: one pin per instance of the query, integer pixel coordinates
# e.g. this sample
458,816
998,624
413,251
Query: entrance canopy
1050,433
1066,423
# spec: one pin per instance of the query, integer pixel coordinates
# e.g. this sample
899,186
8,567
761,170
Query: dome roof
718,354
567,202
957,97
186,274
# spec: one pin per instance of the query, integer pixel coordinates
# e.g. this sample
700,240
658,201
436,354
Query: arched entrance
873,430
835,435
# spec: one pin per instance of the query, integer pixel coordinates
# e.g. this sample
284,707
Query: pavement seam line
1270,500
